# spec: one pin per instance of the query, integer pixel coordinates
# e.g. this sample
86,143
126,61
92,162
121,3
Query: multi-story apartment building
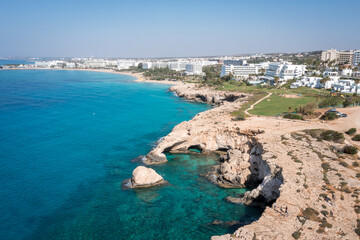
356,58
193,68
340,57
285,70
126,64
329,55
345,57
146,65
238,71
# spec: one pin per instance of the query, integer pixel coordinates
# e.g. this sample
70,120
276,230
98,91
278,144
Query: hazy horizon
160,29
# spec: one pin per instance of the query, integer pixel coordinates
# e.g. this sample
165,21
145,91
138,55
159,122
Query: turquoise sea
67,140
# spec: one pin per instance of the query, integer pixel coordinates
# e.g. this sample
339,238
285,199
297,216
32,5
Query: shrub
323,195
311,214
330,135
351,131
296,235
357,229
329,116
293,116
350,150
324,212
240,117
331,102
307,109
325,166
344,164
356,137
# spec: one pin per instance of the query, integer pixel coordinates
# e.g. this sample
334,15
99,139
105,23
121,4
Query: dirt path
253,105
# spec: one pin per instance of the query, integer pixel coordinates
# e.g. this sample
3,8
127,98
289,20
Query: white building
347,86
70,65
330,73
95,64
312,82
346,72
235,62
177,66
111,63
264,65
146,65
208,63
329,55
356,58
340,57
238,71
126,64
285,70
330,83
42,64
159,65
193,69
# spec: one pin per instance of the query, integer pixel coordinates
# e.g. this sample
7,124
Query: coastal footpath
308,187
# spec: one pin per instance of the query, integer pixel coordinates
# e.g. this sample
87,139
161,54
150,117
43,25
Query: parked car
339,114
332,110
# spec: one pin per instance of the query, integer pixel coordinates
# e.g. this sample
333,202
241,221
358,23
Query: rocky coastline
274,157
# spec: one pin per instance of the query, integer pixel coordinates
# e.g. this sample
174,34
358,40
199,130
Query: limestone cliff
317,184
193,93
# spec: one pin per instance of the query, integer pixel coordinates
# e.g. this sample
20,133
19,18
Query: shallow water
66,141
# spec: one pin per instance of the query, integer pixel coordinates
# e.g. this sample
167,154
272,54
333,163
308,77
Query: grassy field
256,96
276,104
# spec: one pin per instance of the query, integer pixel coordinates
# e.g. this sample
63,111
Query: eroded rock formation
205,95
291,168
143,177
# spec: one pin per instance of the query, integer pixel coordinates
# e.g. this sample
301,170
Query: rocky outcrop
291,169
143,177
242,169
192,92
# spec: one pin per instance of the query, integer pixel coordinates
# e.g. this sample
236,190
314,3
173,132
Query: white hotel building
285,70
126,64
238,71
193,69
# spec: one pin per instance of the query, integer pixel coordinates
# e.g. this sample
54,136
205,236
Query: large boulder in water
143,177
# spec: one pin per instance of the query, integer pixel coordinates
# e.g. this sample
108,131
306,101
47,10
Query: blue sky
175,28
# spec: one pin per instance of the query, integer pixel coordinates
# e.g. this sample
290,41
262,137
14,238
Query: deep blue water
67,139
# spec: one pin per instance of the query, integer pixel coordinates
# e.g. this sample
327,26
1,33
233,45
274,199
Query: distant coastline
138,76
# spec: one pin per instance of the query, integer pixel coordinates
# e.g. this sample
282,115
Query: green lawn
236,87
278,104
255,97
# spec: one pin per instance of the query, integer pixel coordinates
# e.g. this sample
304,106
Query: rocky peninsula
308,187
